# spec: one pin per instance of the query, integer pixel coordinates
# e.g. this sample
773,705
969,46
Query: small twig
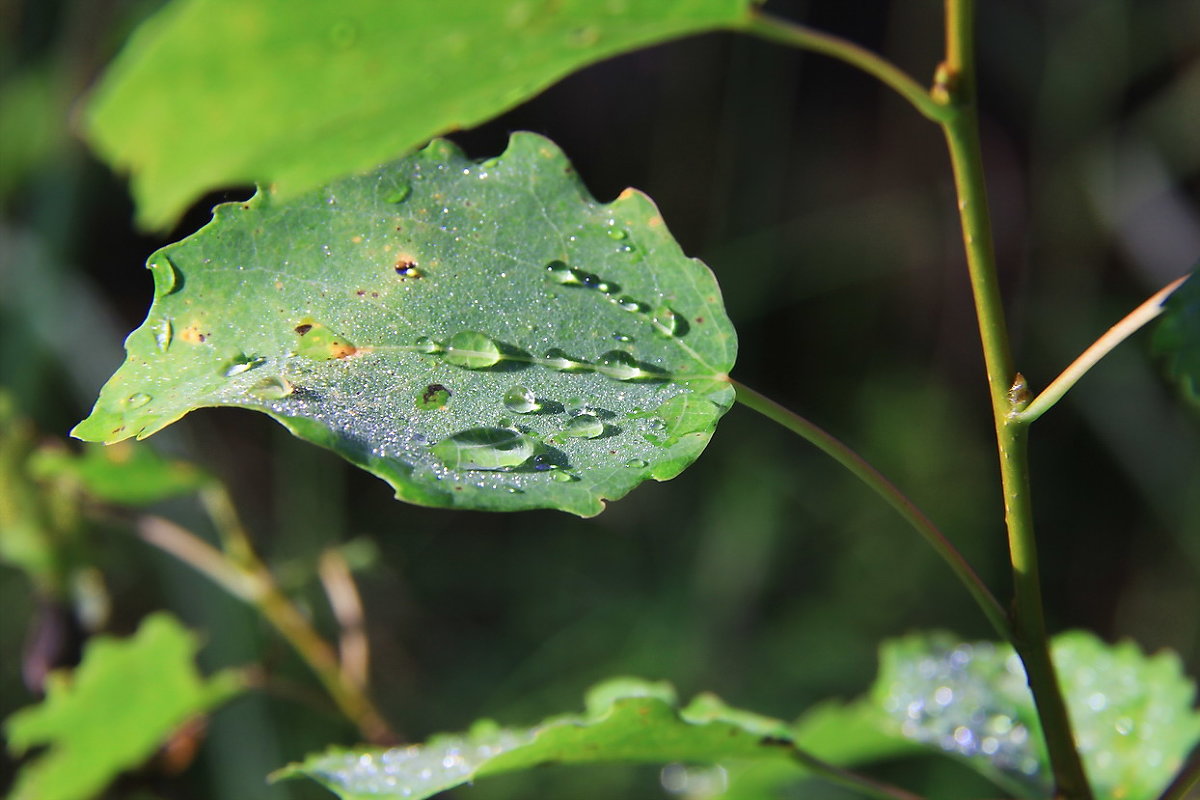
353,646
874,479
246,578
1118,333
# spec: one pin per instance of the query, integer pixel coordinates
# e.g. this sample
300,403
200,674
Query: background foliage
824,206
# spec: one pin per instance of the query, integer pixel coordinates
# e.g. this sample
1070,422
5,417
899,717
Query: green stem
1187,779
242,574
957,79
873,478
1118,333
851,780
774,29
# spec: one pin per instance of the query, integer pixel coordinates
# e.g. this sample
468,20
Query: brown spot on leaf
406,267
303,328
339,349
193,334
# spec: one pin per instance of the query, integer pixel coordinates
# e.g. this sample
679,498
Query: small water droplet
1124,726
623,337
521,400
166,278
272,387
620,365
162,334
559,360
629,304
562,273
472,350
433,397
242,363
137,400
637,463
399,193
428,346
484,449
667,322
617,233
584,426
542,463
563,477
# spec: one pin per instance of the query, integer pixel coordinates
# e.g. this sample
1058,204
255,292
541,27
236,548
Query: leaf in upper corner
1177,338
479,335
627,720
1133,716
212,93
112,712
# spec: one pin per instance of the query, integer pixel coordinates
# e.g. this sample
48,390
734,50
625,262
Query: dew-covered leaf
480,335
211,93
627,720
112,712
1177,338
1133,714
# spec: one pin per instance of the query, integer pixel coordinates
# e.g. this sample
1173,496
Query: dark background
765,573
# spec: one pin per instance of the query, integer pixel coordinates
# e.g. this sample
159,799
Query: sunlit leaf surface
211,93
480,335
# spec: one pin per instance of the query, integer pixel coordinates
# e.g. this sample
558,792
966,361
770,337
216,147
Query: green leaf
1177,338
479,335
124,473
210,93
626,720
1133,716
126,697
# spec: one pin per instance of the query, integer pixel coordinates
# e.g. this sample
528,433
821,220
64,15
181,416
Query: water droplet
166,278
242,363
584,426
472,350
406,268
428,346
620,365
559,360
623,337
542,463
1124,726
629,304
433,397
137,400
399,193
563,477
162,334
637,463
617,233
272,387
562,273
667,322
521,400
484,449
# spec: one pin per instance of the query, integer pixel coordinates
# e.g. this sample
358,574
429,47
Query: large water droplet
559,360
137,400
629,304
472,350
620,365
636,463
521,400
272,387
433,397
165,276
162,334
484,449
584,426
563,477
